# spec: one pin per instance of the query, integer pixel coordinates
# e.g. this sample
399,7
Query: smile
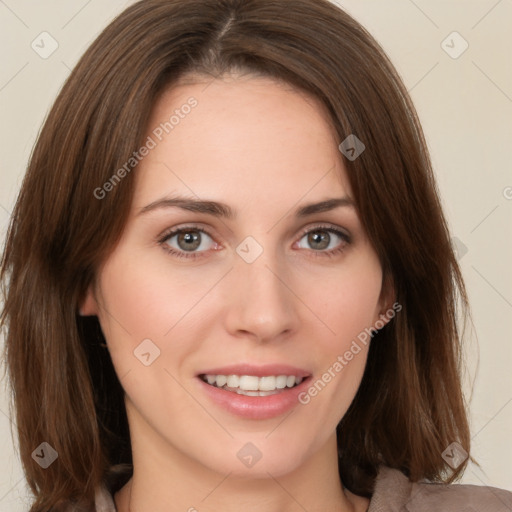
255,392
252,385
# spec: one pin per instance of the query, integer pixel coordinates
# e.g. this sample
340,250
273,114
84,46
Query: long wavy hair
409,406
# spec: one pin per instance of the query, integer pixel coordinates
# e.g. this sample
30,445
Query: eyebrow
223,210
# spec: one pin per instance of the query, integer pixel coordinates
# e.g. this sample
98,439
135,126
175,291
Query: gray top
395,493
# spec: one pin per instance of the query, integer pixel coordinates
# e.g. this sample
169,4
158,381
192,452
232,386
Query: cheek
154,314
341,357
350,302
146,297
349,306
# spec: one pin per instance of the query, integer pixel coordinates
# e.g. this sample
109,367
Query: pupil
191,240
322,239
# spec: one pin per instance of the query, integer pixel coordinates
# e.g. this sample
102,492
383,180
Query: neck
182,487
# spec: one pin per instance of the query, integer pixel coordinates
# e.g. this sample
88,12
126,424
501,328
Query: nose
262,303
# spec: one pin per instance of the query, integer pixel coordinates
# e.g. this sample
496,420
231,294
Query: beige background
465,105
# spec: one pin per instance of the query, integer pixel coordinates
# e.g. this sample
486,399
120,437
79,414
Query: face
231,306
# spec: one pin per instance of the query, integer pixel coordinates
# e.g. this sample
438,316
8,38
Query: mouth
252,385
254,392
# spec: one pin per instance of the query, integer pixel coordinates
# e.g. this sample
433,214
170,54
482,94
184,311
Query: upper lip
256,370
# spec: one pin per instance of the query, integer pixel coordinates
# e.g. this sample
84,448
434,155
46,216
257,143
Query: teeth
248,383
281,381
251,385
220,380
256,393
269,383
233,381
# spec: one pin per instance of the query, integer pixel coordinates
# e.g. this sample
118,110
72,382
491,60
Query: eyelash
322,253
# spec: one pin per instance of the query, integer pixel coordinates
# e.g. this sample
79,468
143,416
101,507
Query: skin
264,149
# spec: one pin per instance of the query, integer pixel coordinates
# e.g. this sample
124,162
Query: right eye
186,242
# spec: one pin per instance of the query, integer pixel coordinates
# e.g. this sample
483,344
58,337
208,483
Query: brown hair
409,406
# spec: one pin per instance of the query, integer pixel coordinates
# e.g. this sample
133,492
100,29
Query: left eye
324,239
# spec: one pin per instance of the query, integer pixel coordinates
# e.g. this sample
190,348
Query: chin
254,457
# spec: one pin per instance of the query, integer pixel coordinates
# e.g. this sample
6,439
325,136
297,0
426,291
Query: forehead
244,139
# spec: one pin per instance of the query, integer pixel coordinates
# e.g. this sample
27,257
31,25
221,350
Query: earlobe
388,301
88,305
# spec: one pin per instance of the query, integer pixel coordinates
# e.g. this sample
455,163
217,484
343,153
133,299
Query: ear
88,305
388,305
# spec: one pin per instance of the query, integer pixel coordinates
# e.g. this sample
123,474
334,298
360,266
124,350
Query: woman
228,278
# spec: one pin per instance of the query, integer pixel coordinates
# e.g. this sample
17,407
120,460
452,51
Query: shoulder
104,500
116,477
394,492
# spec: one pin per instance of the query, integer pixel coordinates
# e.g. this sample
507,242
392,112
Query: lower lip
255,407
